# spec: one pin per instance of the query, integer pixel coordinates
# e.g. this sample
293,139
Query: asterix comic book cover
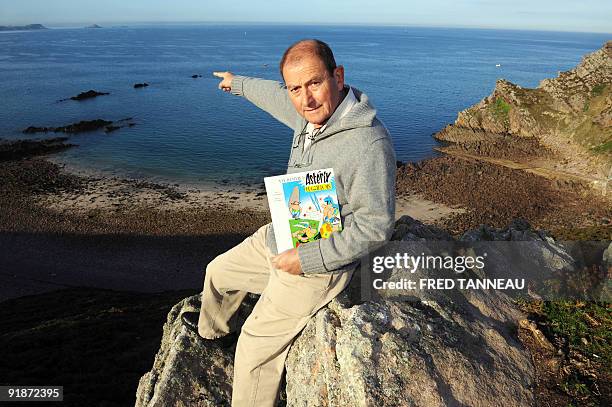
304,207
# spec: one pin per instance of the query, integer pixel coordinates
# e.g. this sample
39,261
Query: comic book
304,207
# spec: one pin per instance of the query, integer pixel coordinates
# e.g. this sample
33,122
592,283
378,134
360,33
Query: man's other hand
226,83
288,261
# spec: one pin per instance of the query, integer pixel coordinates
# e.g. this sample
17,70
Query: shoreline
105,192
59,229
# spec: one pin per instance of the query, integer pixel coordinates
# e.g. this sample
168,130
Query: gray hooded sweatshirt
359,149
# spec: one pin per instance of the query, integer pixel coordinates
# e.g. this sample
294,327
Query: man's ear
339,77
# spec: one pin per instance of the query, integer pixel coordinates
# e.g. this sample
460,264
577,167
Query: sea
188,132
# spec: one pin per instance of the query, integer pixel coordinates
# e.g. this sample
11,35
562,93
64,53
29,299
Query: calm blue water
188,131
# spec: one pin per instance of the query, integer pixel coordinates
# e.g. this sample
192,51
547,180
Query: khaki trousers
286,304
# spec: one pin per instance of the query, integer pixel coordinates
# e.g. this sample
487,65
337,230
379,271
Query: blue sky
555,15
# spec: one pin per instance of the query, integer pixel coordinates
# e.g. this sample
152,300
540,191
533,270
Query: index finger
219,74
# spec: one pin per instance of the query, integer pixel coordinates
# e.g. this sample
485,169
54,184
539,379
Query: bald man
334,126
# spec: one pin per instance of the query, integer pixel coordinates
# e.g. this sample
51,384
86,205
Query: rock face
568,117
184,372
439,348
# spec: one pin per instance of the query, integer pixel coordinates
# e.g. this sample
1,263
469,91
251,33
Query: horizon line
305,23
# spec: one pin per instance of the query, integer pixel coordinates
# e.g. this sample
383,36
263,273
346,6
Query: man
334,127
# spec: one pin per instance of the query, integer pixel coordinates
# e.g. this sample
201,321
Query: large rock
439,348
186,373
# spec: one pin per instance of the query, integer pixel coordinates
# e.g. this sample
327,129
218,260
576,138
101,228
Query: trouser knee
213,268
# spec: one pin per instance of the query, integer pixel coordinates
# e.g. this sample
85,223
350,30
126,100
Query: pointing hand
226,83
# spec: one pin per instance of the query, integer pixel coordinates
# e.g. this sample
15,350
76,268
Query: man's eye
295,90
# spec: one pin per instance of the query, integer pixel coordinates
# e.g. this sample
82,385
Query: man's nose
307,98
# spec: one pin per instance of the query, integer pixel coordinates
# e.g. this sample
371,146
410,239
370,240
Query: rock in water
88,95
81,127
16,149
140,85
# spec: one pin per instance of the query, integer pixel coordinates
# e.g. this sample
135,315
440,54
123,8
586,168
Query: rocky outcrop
436,348
16,149
568,117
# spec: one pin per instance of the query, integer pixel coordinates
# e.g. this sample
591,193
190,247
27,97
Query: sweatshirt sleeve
371,193
269,96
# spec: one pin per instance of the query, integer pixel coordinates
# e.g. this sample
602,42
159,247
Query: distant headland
22,27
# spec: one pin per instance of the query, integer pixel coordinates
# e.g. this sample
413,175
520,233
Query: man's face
314,92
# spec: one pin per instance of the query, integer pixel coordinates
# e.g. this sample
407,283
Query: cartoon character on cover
304,235
330,211
294,203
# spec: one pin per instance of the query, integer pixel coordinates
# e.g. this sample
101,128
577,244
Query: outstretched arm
269,96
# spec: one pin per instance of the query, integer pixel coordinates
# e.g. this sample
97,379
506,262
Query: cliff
563,126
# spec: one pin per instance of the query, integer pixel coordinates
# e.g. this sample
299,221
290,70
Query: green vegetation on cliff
501,108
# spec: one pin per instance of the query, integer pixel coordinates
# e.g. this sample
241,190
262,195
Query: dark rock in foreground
16,149
22,27
196,76
140,85
434,349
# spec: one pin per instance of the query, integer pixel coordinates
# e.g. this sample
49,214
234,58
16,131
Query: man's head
313,80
